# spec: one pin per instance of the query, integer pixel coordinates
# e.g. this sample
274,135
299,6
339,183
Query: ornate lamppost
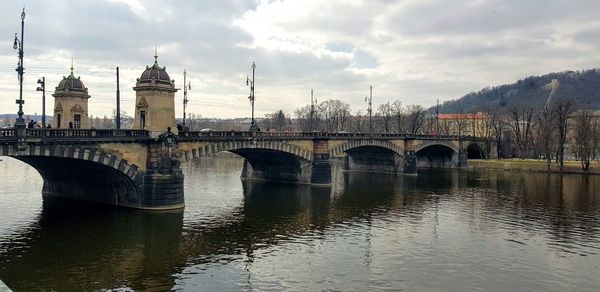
313,102
253,126
18,45
42,88
369,100
186,87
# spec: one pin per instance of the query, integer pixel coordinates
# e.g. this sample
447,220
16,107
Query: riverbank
530,165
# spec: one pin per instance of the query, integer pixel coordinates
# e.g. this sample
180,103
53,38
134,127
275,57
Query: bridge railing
7,134
308,135
86,133
82,134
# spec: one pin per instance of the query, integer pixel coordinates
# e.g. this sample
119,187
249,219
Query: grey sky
412,50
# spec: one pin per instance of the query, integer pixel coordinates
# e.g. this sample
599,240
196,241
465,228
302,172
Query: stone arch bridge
136,168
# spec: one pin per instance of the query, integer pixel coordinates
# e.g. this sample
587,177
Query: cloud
415,50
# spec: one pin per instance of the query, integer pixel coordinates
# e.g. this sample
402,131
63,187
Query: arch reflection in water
84,246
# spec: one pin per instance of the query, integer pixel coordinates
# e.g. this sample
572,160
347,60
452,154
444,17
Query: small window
77,123
142,120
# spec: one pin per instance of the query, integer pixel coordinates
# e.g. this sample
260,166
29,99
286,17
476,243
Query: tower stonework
71,104
155,100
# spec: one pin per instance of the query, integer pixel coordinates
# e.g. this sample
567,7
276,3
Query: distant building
71,103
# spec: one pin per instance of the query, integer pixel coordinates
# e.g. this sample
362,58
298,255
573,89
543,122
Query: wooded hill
581,86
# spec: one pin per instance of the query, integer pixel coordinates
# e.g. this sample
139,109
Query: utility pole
18,45
253,126
42,88
186,87
118,116
370,108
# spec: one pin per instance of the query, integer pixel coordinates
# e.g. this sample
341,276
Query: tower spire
155,54
71,65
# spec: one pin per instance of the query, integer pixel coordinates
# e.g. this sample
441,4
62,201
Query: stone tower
155,100
71,104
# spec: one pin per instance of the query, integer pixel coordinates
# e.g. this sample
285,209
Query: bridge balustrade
84,133
308,135
7,134
10,134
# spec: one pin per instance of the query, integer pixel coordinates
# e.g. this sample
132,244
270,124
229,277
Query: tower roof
71,85
155,73
155,77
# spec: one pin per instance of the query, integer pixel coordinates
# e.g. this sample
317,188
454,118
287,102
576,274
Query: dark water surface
440,231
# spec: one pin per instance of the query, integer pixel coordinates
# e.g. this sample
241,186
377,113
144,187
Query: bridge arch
340,149
475,151
428,143
437,154
83,173
264,159
231,146
371,155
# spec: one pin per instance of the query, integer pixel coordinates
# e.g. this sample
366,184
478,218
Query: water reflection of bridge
137,169
118,247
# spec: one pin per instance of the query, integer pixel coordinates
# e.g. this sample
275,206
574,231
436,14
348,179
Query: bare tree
486,126
126,120
399,116
384,111
547,132
308,119
445,127
335,114
563,109
587,137
416,118
276,120
460,125
520,126
357,122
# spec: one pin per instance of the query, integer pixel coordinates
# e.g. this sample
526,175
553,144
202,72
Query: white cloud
134,6
412,49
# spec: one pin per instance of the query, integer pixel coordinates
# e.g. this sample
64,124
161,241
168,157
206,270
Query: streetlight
18,45
370,109
312,110
437,117
186,87
42,88
250,83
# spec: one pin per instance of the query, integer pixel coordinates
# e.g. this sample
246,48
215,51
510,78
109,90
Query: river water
439,231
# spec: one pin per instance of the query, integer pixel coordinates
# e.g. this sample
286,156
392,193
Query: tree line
563,129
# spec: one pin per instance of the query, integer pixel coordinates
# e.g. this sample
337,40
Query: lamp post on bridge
186,87
369,100
42,88
18,45
250,83
313,102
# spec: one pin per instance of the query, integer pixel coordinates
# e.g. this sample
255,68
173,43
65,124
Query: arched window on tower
142,119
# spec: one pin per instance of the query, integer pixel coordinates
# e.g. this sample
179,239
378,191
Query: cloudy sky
413,50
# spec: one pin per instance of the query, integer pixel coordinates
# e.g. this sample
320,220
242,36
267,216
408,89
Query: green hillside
582,86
